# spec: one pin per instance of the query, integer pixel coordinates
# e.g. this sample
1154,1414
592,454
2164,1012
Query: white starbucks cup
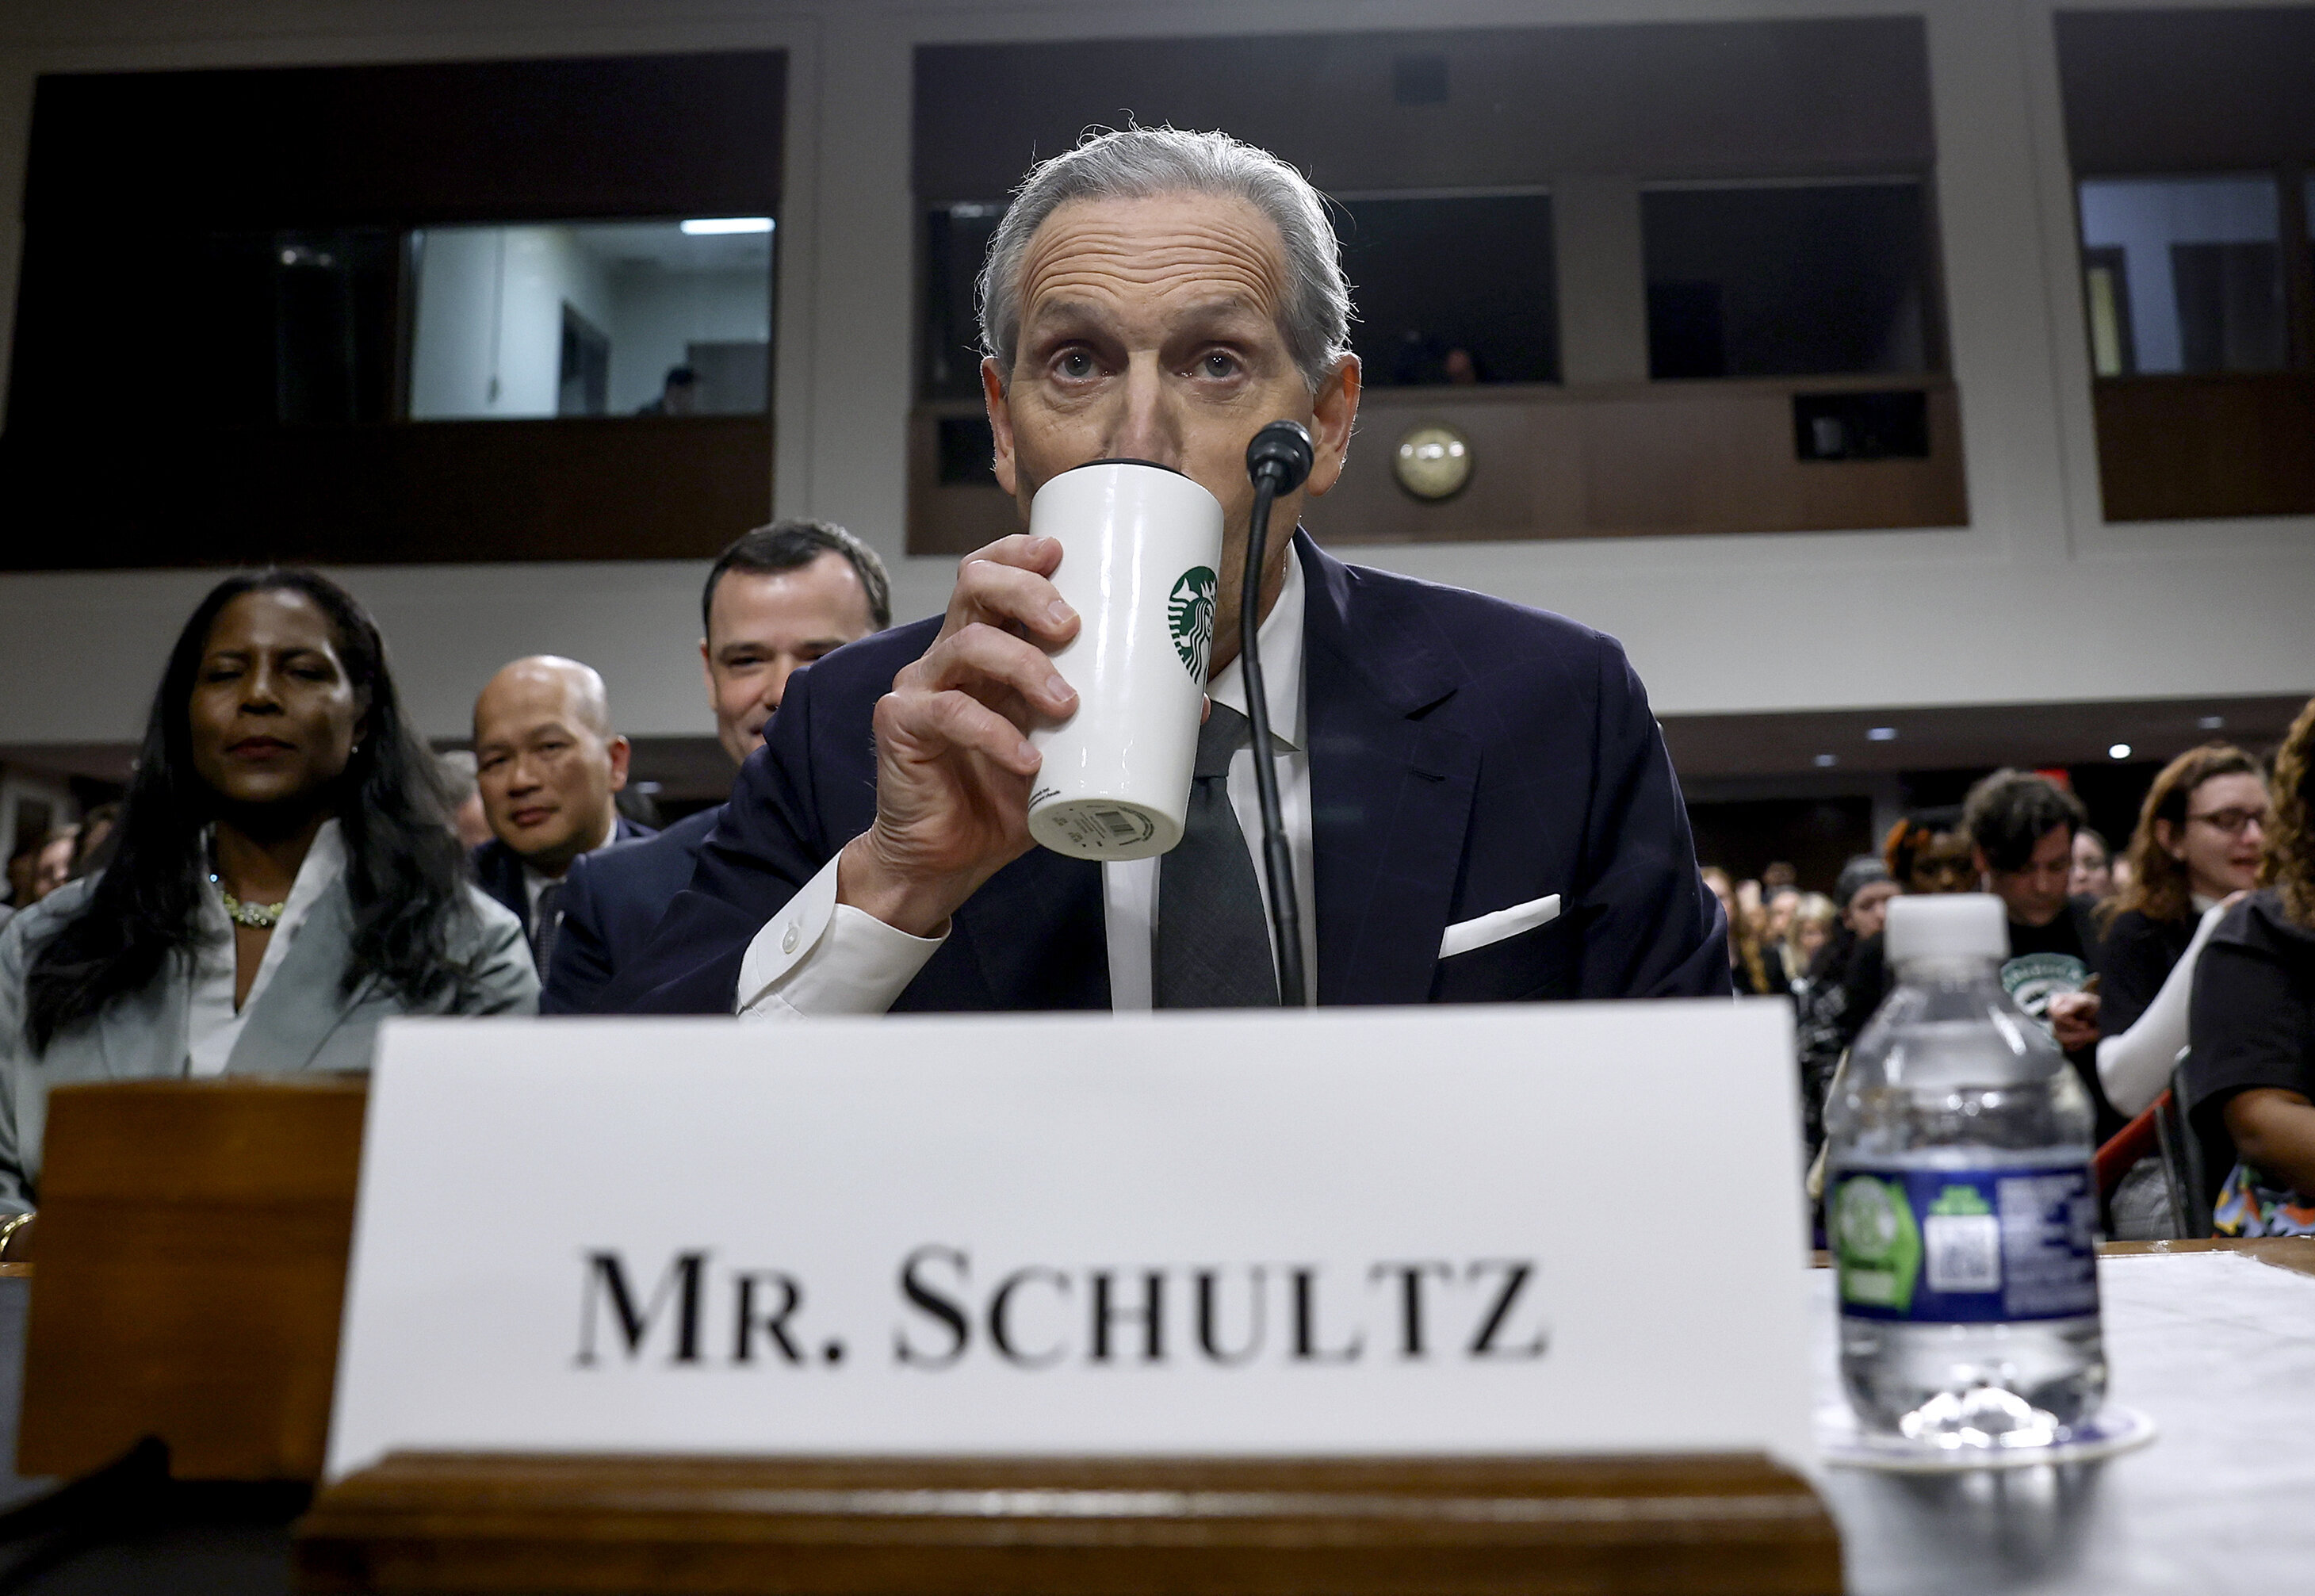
1140,549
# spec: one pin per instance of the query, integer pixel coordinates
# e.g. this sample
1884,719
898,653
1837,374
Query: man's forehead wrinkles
1228,239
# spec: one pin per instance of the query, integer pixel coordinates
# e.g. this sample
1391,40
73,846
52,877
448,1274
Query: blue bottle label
1964,1245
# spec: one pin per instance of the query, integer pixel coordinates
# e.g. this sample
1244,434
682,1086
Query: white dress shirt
819,957
212,1023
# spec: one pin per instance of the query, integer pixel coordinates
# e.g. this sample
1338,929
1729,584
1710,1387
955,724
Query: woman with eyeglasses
2196,850
283,878
2250,1079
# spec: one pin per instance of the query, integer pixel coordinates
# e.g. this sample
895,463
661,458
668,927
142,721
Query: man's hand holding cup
955,768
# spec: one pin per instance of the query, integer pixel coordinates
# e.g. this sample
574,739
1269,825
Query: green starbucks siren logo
1190,616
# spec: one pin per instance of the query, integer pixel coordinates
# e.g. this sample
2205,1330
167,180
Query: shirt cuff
818,956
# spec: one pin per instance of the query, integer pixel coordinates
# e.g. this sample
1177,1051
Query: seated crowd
2183,965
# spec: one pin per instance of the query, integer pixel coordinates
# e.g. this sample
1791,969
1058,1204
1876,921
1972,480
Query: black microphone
1279,461
1281,452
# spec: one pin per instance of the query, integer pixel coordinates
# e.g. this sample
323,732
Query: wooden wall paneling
191,1268
2185,447
1524,465
1749,99
1604,460
955,518
100,496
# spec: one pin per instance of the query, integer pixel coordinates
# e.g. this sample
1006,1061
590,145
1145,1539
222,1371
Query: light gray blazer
301,1021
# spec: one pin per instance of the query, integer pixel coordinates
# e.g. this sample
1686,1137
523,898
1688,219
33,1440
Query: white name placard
1547,1228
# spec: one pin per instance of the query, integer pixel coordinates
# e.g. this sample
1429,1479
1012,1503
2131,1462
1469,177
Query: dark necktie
546,921
1213,938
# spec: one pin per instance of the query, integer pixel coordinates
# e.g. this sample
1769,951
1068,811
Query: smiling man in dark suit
777,600
1477,798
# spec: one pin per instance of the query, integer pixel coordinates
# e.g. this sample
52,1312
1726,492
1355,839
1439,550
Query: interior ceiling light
2212,723
2120,750
1881,734
1825,760
698,227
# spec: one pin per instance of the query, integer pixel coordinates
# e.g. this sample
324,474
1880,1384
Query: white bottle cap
1947,926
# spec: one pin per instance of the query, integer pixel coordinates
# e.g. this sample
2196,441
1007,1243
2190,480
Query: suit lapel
301,1004
1390,796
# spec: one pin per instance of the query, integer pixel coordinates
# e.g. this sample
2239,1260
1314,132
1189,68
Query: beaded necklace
257,917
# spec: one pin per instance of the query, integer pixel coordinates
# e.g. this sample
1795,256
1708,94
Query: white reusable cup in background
1141,548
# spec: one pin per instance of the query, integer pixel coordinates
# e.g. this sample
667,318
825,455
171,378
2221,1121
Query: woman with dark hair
2196,850
2250,1079
282,878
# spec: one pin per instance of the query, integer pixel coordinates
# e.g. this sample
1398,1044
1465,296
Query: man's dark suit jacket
498,869
1467,754
611,900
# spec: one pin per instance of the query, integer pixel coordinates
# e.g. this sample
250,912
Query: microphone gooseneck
1279,461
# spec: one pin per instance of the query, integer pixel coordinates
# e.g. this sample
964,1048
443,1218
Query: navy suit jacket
1467,754
498,869
611,900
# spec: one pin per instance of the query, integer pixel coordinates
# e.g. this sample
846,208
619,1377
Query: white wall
488,336
2038,598
656,316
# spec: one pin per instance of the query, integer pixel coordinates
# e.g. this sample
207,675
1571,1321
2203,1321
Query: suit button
788,941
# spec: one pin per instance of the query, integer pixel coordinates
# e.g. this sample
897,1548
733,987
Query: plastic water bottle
1961,1203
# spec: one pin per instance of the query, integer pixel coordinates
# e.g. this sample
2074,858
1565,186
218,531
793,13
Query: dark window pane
1452,289
297,326
1787,281
956,237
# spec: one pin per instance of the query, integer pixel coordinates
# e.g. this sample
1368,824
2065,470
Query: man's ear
1980,863
1334,414
1000,424
707,669
620,748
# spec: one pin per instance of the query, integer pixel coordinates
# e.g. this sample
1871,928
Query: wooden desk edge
1055,1526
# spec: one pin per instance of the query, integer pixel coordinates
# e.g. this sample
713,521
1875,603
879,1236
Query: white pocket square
1494,927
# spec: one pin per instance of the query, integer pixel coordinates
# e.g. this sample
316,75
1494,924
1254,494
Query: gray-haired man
1477,797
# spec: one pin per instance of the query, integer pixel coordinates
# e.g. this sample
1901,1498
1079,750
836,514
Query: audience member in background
1717,881
2252,1075
1821,998
1810,929
92,851
1780,905
25,876
2197,849
778,598
465,796
548,765
1922,859
285,879
2093,875
1752,962
2021,829
54,865
678,394
1779,876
